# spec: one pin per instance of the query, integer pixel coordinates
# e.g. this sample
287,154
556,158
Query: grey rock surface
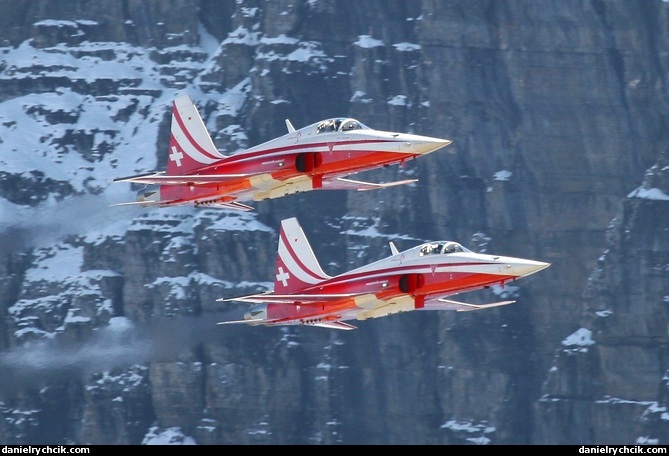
557,110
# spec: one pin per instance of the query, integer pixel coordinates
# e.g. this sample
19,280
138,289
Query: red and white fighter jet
317,157
420,278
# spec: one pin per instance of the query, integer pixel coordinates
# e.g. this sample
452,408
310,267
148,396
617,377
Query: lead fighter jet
317,157
420,278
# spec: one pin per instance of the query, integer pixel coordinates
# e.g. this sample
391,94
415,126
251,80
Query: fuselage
306,159
409,280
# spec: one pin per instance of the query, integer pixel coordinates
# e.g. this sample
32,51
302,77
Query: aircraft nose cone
418,144
523,268
425,145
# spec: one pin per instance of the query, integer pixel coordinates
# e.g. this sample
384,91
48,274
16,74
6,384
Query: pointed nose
418,144
424,144
434,144
523,268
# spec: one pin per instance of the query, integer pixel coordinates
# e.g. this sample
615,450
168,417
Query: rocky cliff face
558,115
624,333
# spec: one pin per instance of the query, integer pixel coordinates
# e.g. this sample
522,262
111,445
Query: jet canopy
433,248
340,124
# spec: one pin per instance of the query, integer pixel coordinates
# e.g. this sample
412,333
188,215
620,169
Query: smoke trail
24,227
36,363
118,345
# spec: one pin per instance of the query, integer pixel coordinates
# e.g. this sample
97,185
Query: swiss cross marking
283,276
176,156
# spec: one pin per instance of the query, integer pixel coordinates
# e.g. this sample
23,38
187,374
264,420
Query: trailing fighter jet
317,157
420,278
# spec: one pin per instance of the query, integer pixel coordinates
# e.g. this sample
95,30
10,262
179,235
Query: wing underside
350,184
448,304
339,183
335,324
217,205
434,304
350,306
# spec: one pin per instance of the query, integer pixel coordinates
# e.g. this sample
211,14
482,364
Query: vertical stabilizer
296,264
191,146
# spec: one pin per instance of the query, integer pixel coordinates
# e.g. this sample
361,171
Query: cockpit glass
441,247
451,247
326,126
429,249
340,124
351,125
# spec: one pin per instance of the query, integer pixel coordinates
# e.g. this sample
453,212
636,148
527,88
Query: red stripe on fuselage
243,156
340,284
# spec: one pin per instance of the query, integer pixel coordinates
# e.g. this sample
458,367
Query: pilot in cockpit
351,124
451,247
445,247
338,124
430,249
325,126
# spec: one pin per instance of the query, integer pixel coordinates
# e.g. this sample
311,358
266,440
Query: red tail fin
191,146
296,264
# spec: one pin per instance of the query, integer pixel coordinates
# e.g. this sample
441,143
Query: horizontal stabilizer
138,176
136,203
235,322
163,179
466,307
